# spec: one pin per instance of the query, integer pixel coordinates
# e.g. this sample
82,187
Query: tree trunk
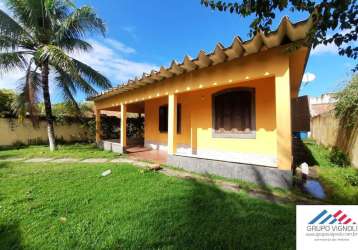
48,108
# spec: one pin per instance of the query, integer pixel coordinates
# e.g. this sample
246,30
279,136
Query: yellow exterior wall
151,122
11,132
275,74
197,114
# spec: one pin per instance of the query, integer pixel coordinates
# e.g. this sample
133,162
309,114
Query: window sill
248,135
167,133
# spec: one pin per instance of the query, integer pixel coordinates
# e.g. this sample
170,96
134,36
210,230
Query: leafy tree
347,104
7,99
39,37
67,109
337,16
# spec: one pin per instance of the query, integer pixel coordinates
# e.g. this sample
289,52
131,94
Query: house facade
227,112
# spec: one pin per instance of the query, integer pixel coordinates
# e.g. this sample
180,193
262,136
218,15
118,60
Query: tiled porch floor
146,154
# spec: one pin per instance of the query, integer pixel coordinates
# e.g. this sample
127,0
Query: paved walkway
224,185
68,160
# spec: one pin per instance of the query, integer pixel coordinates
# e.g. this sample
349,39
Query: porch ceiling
287,32
137,107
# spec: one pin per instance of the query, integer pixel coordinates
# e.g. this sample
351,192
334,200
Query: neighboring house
322,104
227,112
306,107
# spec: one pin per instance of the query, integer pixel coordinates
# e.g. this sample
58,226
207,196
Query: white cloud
109,59
325,49
10,80
108,56
120,46
131,30
308,77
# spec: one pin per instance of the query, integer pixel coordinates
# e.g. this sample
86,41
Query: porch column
193,134
172,123
98,127
283,121
123,126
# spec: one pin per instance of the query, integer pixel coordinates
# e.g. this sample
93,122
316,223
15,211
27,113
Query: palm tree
39,37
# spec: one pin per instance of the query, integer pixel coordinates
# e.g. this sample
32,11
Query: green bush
7,98
347,103
338,157
18,144
352,179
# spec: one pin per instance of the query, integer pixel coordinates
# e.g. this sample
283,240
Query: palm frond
8,43
57,58
27,13
68,96
10,28
82,75
74,82
28,98
12,60
74,44
78,23
92,75
65,83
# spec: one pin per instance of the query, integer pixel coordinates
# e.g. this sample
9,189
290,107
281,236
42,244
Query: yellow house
227,112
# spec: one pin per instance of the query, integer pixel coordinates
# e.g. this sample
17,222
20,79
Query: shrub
7,98
18,144
347,103
352,179
338,157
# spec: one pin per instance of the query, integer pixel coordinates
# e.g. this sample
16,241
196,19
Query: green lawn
63,206
74,150
335,179
50,206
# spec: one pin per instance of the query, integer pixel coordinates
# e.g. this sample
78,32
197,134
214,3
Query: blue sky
143,35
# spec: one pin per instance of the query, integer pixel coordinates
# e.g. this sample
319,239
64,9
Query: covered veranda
134,147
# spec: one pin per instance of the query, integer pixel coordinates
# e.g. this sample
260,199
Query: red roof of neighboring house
317,109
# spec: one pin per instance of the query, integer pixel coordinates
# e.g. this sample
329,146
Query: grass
63,206
79,151
335,179
289,194
49,206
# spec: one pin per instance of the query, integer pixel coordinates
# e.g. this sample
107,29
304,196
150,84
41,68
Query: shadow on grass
13,147
333,178
208,218
303,154
4,165
10,237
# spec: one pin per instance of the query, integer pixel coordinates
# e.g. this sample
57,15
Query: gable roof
287,32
